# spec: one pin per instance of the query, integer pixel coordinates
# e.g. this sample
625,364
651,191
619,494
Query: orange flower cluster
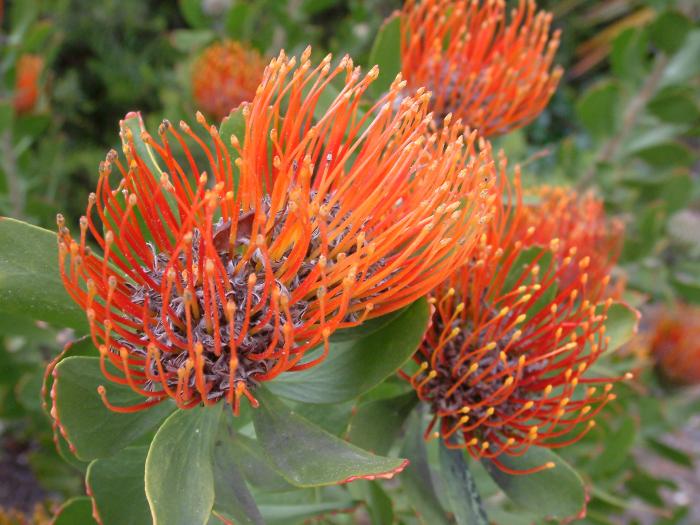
514,330
494,74
14,517
675,343
225,75
215,278
26,95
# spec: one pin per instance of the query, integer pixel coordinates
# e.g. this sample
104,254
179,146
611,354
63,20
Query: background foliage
625,121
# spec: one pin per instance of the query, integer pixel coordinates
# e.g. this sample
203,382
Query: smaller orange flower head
675,343
513,333
578,223
220,273
225,75
493,73
29,69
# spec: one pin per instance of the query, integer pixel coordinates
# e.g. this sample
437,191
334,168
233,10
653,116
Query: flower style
29,69
493,74
211,282
225,75
502,365
675,343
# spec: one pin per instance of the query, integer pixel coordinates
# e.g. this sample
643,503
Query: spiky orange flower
213,282
225,75
675,343
26,94
502,365
493,73
576,221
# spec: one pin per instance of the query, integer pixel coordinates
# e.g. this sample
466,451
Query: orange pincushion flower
211,283
675,343
29,69
502,365
493,73
225,75
577,221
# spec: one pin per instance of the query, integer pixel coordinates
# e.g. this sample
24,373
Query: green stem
461,488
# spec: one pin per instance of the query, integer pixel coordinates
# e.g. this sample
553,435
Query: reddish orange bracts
675,343
225,75
215,276
29,68
514,331
493,72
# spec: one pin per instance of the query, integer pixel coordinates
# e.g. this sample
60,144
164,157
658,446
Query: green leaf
30,282
621,324
685,64
598,109
75,511
670,30
675,105
233,124
666,154
628,57
7,113
117,487
307,455
678,456
554,492
284,514
379,504
91,428
80,347
179,470
386,53
462,492
189,40
249,458
376,424
417,480
232,496
617,449
354,367
193,14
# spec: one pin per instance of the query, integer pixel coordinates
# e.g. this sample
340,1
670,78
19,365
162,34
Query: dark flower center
490,371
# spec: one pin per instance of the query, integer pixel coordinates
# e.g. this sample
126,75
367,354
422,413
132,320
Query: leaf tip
382,475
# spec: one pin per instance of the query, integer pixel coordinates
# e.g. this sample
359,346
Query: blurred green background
625,122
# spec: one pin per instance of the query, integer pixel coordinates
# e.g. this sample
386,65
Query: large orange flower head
492,71
514,331
29,68
216,276
675,343
225,75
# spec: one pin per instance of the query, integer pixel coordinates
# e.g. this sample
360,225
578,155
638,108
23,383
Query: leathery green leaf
30,282
117,487
355,366
179,467
93,430
555,492
308,456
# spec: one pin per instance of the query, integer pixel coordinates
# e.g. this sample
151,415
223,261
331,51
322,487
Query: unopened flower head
225,75
503,365
216,276
491,69
675,343
28,72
